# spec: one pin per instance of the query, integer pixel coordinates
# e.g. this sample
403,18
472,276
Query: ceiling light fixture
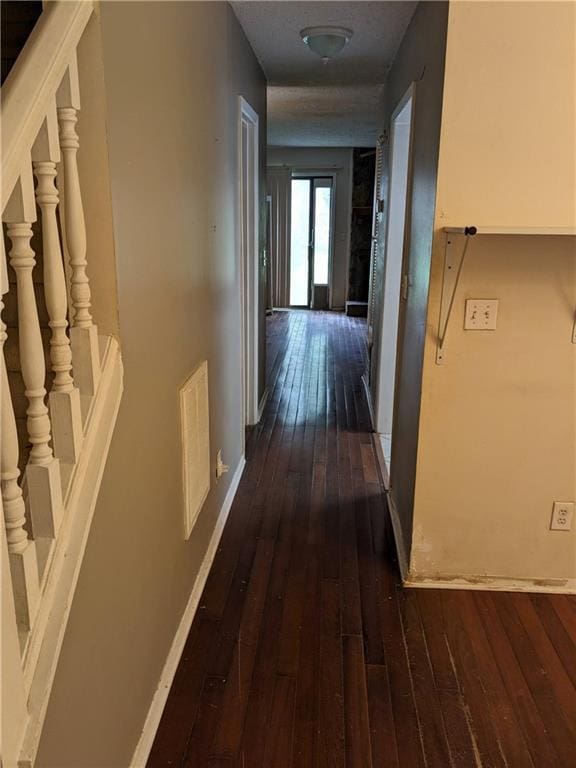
327,42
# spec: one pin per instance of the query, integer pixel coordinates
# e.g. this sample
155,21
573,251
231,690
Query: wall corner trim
144,745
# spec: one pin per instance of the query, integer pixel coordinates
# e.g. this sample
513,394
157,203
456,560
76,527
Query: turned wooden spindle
64,399
42,470
74,217
13,502
54,278
84,333
21,550
31,352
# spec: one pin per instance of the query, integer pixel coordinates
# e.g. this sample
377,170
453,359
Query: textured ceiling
316,104
332,116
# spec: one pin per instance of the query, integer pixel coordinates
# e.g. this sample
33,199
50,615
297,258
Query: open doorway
395,285
311,237
248,213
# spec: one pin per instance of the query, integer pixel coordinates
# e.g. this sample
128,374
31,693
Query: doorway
248,214
396,283
311,241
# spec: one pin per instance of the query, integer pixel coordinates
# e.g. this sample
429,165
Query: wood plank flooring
307,653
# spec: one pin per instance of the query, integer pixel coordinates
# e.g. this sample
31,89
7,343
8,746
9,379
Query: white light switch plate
481,314
562,514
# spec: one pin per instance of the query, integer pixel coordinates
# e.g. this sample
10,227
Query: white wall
498,426
498,418
338,160
508,149
172,98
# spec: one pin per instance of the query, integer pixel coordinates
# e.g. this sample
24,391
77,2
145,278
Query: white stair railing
39,114
47,472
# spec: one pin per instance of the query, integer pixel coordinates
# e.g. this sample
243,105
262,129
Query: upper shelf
471,230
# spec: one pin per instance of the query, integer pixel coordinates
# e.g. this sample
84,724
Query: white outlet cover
562,515
481,315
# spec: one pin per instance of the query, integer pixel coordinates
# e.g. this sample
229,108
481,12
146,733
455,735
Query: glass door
321,241
311,242
300,243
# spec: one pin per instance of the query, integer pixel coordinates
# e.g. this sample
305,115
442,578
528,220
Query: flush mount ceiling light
327,42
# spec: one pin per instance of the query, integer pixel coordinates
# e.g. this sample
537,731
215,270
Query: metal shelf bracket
456,247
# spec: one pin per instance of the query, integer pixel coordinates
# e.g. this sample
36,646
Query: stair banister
33,81
48,496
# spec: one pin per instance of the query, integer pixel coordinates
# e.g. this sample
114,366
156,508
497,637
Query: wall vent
195,425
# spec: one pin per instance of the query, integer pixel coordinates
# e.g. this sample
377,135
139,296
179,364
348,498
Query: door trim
249,264
409,96
312,174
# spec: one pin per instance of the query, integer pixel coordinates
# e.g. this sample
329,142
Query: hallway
305,651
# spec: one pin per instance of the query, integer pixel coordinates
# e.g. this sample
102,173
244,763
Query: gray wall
173,73
420,59
245,78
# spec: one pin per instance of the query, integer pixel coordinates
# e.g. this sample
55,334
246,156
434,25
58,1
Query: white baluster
84,334
43,470
64,398
22,551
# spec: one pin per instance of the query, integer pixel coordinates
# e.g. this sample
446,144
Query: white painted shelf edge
513,230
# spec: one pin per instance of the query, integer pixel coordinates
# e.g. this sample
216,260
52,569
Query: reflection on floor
307,651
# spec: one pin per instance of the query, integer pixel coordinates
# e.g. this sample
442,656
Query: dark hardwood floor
307,652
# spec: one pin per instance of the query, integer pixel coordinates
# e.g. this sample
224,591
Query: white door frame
325,173
393,294
249,261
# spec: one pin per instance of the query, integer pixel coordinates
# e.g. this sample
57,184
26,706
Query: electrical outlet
481,314
562,514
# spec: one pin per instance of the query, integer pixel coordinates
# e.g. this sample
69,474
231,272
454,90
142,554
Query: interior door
321,242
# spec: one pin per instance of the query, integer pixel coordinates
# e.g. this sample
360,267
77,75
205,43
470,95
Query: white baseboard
154,715
262,403
492,583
